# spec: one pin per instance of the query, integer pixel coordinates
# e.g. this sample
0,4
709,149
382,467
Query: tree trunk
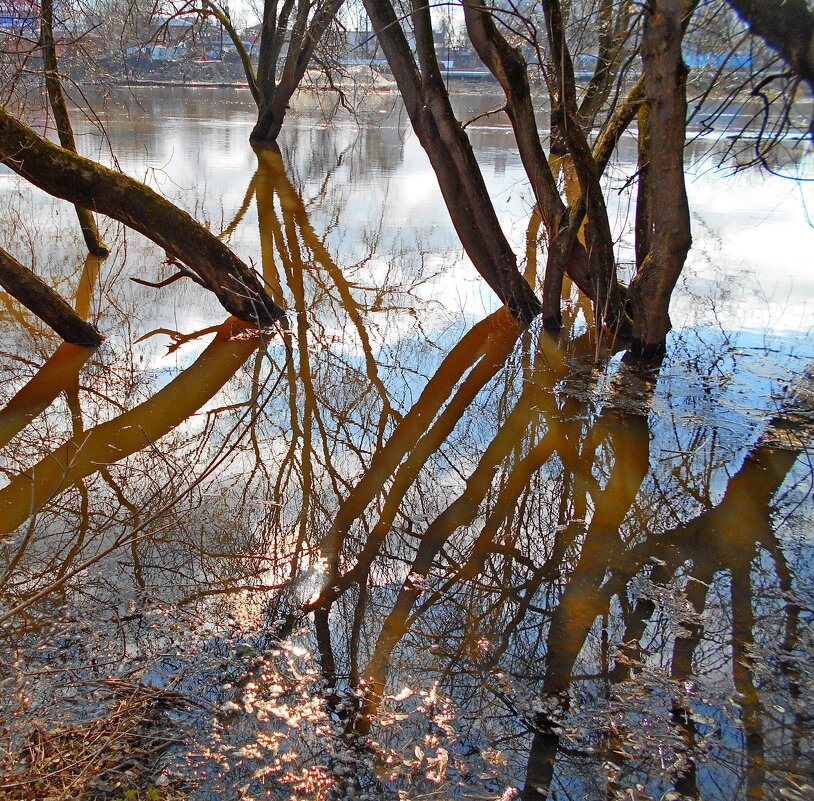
670,239
86,183
302,43
50,307
644,222
787,26
506,63
245,59
612,37
450,153
62,119
603,287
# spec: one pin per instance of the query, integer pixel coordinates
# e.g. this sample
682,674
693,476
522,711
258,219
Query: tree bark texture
25,287
668,210
450,153
84,182
90,232
644,222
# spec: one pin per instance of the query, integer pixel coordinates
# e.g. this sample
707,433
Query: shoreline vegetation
225,74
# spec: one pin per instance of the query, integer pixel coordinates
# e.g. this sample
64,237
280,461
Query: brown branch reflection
467,561
597,471
58,372
128,433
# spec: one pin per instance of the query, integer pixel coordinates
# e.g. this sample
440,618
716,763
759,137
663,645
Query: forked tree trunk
274,96
62,119
507,64
669,229
566,123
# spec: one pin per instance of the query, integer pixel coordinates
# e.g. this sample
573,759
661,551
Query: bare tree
450,152
290,36
668,239
638,75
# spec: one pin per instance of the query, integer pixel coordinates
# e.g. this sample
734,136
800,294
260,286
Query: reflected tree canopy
375,558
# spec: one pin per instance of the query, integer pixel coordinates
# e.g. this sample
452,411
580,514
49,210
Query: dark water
407,548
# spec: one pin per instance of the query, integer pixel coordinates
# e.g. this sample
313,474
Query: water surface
407,548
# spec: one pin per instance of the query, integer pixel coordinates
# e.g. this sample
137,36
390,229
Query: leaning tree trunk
84,182
50,307
451,156
507,64
63,121
669,215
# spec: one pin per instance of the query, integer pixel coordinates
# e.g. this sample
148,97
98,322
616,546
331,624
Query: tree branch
86,183
221,16
45,303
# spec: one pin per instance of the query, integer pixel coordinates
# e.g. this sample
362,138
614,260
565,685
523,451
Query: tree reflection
60,371
518,572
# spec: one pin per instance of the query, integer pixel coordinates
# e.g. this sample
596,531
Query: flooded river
405,547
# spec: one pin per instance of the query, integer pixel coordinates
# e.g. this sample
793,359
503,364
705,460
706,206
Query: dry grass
113,755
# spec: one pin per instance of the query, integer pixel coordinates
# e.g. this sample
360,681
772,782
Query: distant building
18,15
701,60
154,53
252,34
360,46
225,49
173,30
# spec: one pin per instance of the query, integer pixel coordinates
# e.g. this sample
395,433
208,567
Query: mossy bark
84,182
